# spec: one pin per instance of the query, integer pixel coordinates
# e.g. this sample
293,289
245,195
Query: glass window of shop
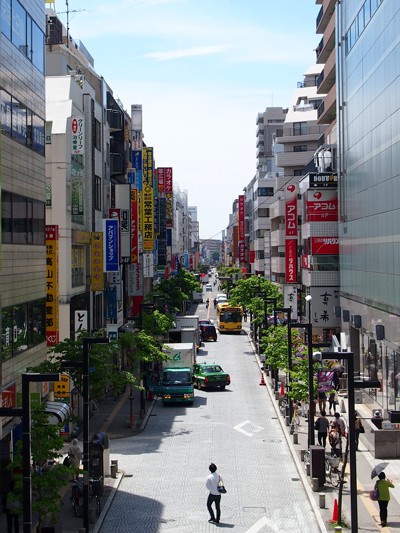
22,327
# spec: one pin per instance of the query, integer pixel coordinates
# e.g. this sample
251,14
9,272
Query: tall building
22,171
369,181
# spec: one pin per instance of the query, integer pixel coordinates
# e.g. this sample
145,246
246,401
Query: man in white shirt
214,497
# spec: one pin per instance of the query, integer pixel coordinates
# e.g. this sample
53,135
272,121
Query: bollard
115,462
92,515
321,500
287,420
82,530
308,469
342,407
315,484
276,395
295,438
302,455
338,529
113,471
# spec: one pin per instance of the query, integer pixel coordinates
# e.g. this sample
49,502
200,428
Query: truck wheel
198,385
222,387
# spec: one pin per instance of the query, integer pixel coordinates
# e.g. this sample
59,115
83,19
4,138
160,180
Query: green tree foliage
140,348
104,364
157,324
176,290
48,477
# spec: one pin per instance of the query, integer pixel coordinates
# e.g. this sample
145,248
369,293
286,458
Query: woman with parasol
382,486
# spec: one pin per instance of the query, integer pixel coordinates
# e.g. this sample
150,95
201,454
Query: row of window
20,123
22,327
19,27
22,219
358,25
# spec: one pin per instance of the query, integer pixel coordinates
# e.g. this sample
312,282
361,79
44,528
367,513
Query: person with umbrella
382,485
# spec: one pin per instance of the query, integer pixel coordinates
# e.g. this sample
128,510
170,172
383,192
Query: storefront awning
57,411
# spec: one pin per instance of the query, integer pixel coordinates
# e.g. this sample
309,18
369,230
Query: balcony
260,152
327,43
278,265
327,110
260,131
327,78
319,229
294,134
325,14
278,238
260,142
294,159
260,118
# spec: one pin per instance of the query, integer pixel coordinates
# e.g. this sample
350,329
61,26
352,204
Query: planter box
394,417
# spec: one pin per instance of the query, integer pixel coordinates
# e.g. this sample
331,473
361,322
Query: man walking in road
214,496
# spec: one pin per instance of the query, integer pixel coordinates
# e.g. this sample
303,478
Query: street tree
176,290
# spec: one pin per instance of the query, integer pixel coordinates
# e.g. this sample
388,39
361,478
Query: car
207,376
208,287
221,298
208,332
205,321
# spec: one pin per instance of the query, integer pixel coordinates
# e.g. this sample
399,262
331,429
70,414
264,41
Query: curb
108,503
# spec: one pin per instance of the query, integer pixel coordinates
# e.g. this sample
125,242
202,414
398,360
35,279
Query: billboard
148,218
77,135
96,267
291,260
52,319
291,210
324,246
290,299
241,218
322,206
111,245
134,225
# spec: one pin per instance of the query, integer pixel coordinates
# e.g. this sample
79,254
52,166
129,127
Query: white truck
197,297
176,384
185,322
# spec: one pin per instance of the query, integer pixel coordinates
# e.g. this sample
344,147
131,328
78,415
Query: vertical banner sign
242,254
125,236
62,387
137,165
96,267
291,260
168,182
147,155
290,299
291,210
81,321
322,206
52,327
161,180
169,210
115,214
77,135
148,218
77,176
241,217
135,280
111,252
134,226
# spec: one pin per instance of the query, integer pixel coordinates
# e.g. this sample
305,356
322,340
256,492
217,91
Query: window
263,212
259,254
37,47
300,128
5,18
18,29
300,148
97,134
265,191
97,193
298,172
22,219
77,265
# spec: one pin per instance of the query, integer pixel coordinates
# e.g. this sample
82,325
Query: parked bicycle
95,487
332,470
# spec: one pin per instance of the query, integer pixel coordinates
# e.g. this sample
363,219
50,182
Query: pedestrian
207,303
322,401
332,399
75,455
214,496
11,507
383,485
245,314
322,426
340,424
335,442
359,428
215,303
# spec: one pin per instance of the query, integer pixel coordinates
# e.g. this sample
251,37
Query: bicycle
95,489
332,470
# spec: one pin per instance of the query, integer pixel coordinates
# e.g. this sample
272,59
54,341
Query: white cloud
187,52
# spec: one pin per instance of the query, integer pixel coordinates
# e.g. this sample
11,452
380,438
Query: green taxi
207,376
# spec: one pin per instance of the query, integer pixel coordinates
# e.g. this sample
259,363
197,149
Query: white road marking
255,429
264,521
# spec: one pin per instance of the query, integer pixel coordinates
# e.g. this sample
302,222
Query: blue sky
202,70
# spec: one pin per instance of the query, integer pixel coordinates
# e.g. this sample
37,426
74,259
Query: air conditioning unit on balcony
325,158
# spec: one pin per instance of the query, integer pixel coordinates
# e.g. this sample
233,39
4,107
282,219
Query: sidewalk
368,511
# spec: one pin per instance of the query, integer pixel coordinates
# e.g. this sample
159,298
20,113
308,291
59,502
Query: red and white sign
322,206
324,246
241,218
168,183
305,261
77,135
242,255
291,260
134,226
291,210
161,179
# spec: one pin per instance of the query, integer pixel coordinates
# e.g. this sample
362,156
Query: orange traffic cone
262,382
282,392
335,514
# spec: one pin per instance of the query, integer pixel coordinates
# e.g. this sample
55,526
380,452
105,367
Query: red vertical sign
241,217
291,260
161,179
134,226
291,210
168,180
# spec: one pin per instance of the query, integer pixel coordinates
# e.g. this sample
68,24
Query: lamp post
288,311
87,341
25,413
308,299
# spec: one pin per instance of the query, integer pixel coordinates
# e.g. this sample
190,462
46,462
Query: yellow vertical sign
96,279
148,218
62,387
52,322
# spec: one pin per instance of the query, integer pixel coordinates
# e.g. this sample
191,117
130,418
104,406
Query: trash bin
317,464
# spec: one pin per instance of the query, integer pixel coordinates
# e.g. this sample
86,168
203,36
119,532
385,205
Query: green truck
176,382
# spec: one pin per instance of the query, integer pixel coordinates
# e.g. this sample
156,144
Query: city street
167,464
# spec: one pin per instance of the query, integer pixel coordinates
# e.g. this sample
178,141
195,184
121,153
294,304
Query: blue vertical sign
137,165
111,245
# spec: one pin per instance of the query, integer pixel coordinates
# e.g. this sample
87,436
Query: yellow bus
229,318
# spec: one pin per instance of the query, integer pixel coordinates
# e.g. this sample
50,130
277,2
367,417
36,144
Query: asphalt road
166,465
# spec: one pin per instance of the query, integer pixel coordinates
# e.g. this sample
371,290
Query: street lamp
288,311
308,299
25,413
